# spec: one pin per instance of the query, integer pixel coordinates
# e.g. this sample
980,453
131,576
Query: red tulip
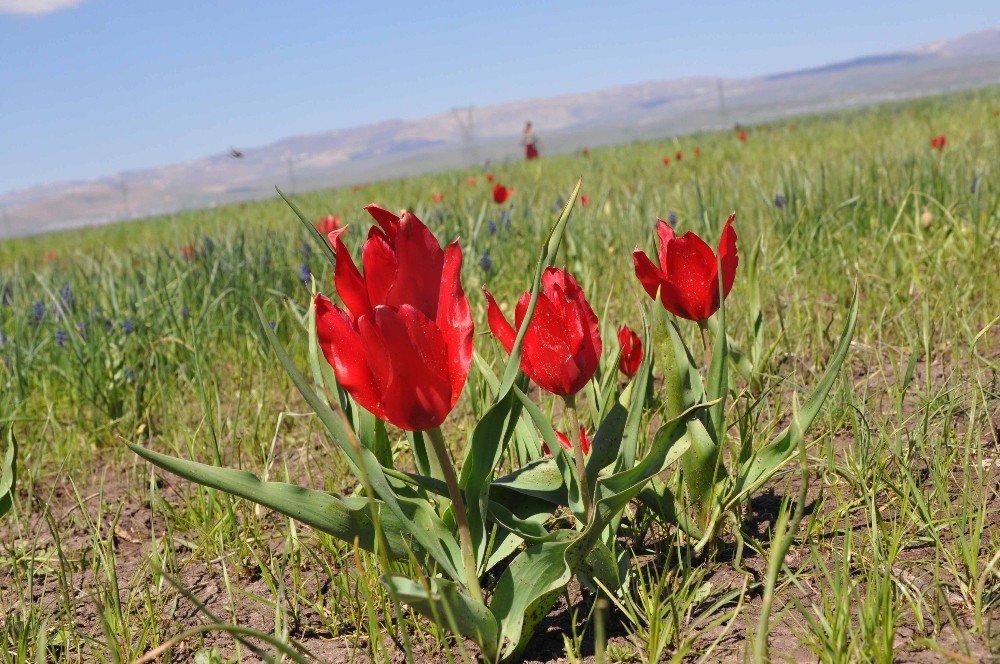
489,177
188,251
563,343
328,224
357,187
567,445
938,142
403,347
437,196
631,346
792,127
501,193
584,200
586,152
742,136
678,156
472,181
666,161
697,152
687,276
51,255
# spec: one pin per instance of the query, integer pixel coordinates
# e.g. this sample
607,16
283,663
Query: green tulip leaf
526,592
766,462
347,518
445,604
8,473
540,479
317,237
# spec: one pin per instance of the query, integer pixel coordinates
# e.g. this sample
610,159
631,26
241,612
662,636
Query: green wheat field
145,332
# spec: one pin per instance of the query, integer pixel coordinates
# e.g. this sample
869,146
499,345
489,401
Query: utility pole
125,205
722,101
466,127
290,160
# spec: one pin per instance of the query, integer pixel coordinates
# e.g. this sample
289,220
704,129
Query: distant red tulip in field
328,224
631,346
938,142
357,187
437,196
489,177
188,251
666,161
584,200
50,255
472,181
586,152
403,346
678,156
697,152
563,343
792,127
501,193
742,136
564,441
687,277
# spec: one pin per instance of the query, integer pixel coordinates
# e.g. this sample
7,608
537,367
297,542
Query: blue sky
94,87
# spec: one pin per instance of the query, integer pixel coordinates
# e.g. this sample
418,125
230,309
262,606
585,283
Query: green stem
458,506
581,466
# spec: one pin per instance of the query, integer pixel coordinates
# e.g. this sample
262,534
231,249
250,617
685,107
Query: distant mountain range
396,148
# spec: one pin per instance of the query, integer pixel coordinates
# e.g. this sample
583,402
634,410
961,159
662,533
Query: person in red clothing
530,142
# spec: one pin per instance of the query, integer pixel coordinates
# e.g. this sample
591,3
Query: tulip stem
581,466
458,507
703,327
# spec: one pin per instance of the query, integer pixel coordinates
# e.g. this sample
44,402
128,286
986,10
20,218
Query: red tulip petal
379,259
690,269
454,320
350,284
335,233
419,260
583,332
418,396
549,360
650,276
666,233
728,255
499,326
564,440
344,350
387,220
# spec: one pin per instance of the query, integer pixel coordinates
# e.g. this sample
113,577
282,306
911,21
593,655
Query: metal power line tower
127,209
466,127
290,161
722,101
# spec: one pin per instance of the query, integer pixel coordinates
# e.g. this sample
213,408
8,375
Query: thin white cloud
35,7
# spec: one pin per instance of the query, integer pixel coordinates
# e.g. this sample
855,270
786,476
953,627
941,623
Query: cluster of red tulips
938,142
402,343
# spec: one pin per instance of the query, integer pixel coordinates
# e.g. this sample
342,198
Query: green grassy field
115,334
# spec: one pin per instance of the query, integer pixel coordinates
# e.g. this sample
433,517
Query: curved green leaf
346,518
768,460
8,473
526,592
447,605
